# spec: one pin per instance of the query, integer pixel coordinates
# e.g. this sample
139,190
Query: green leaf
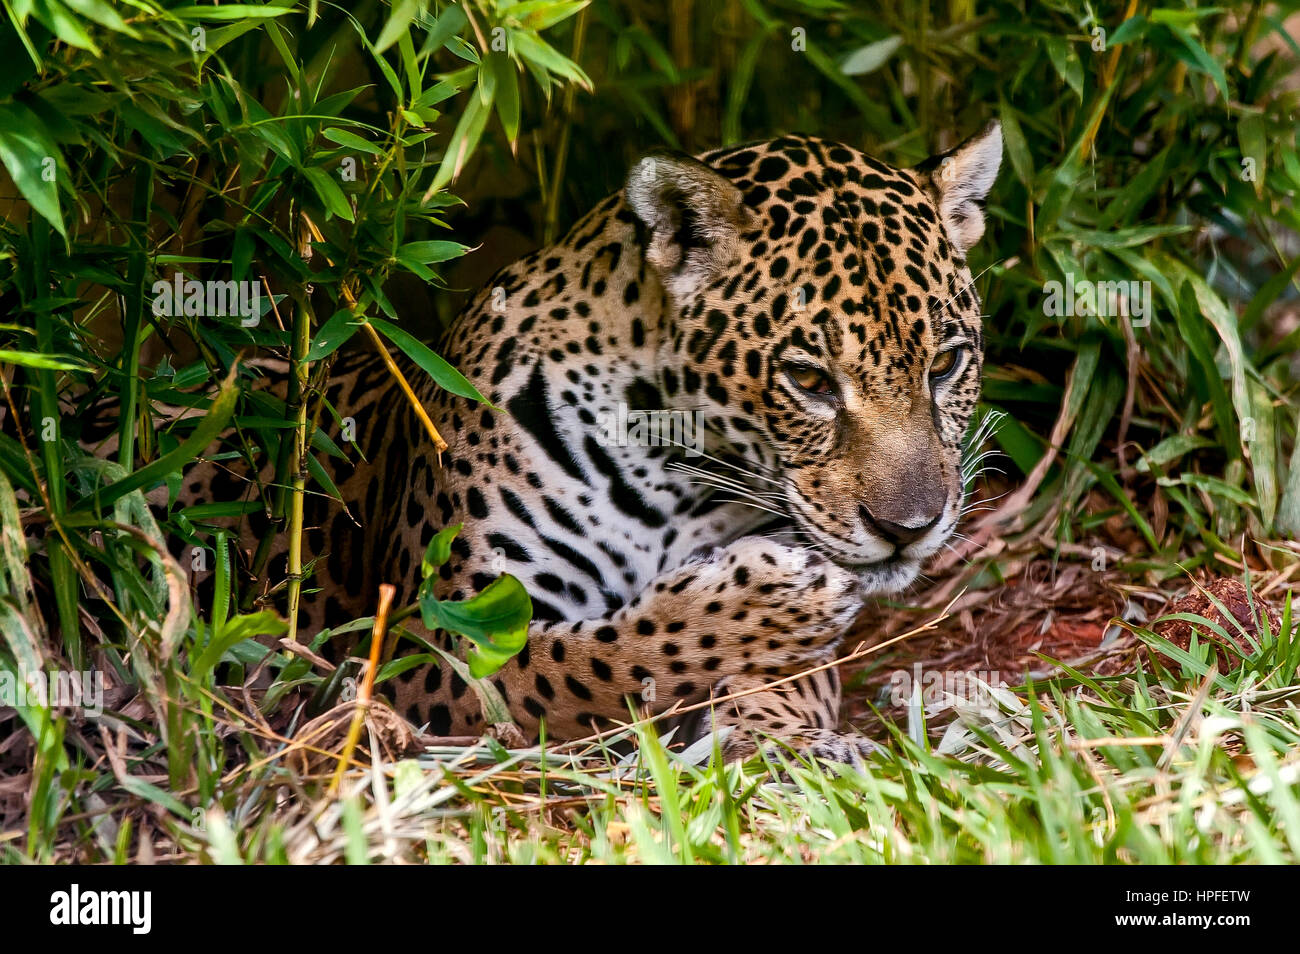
1171,449
1211,485
496,621
869,58
395,667
1250,136
1131,29
399,21
447,377
428,253
33,161
1017,148
1066,62
507,93
229,11
351,140
439,550
542,14
532,47
331,336
449,24
1263,452
463,141
51,362
188,450
246,626
152,793
223,509
1224,321
329,192
1288,511
494,708
103,14
1199,58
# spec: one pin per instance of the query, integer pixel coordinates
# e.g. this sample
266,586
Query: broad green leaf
490,702
246,626
439,550
1171,449
542,14
451,21
496,621
533,48
351,140
1131,29
399,21
1250,137
1211,485
464,139
33,161
331,336
507,93
1288,512
1224,321
1017,147
1066,62
1261,440
869,58
1201,59
329,192
447,377
429,253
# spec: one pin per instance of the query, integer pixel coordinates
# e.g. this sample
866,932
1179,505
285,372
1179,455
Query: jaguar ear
961,178
693,215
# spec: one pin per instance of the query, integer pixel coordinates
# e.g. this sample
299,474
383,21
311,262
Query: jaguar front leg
751,611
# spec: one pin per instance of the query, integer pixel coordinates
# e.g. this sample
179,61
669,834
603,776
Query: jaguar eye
809,378
944,364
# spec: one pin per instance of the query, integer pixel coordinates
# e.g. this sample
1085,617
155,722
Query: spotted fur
815,304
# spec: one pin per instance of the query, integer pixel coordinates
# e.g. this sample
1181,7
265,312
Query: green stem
298,388
49,431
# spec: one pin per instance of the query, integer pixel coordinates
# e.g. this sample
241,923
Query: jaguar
812,309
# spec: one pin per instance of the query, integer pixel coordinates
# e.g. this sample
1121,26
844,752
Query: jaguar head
819,309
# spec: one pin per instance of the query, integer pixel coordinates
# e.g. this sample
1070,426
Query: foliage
347,159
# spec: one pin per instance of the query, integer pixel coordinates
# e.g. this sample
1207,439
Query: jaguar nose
903,531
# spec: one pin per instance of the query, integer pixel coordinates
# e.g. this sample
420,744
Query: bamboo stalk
298,396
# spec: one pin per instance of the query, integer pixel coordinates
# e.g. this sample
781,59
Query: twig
439,444
386,593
